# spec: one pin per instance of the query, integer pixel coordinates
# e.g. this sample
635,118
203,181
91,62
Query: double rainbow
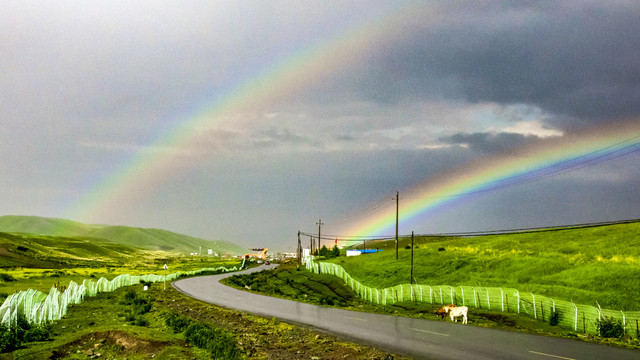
532,162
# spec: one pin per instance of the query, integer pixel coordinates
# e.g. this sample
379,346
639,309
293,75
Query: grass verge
120,325
297,284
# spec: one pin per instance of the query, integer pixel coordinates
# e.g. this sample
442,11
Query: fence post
533,297
462,294
441,300
518,295
476,296
453,301
488,301
542,310
502,299
624,324
575,326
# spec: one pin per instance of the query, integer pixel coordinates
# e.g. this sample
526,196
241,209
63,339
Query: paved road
422,339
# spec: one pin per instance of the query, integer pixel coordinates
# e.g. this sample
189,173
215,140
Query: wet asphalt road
421,339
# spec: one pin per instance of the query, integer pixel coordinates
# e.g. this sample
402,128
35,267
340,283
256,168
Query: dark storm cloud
577,60
487,142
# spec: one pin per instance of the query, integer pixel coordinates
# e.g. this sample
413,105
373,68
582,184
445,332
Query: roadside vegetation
121,324
135,324
585,265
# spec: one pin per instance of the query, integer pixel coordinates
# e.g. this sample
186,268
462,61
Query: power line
350,238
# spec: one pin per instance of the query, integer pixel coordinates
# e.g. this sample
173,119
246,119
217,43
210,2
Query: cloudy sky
250,120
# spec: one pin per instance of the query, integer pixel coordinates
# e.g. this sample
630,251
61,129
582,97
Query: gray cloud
89,89
576,60
487,143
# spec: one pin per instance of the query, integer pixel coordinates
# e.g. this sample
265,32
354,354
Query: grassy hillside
152,239
51,252
584,265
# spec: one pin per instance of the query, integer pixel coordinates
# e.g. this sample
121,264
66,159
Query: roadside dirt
91,345
261,338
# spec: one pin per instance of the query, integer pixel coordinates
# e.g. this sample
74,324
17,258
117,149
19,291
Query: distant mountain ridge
146,238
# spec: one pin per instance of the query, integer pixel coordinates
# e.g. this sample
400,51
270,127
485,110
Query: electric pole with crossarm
319,223
397,199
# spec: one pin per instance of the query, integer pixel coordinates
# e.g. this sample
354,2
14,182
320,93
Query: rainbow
532,162
138,176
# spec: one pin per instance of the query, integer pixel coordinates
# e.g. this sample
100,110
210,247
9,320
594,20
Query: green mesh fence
38,307
579,318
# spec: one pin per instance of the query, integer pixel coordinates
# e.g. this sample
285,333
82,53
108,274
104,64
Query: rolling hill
144,238
583,264
52,252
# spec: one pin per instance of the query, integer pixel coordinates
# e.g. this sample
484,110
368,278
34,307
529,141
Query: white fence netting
38,307
577,317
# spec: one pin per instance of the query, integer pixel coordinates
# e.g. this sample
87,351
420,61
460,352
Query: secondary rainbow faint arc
538,158
139,175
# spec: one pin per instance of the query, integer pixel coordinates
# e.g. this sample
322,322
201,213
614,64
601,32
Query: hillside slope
51,252
151,239
585,265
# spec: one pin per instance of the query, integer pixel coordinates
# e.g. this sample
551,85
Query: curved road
422,339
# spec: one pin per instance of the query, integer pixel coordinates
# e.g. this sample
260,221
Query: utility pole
411,279
299,250
397,200
319,223
311,245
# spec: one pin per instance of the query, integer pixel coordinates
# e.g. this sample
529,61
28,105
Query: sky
249,121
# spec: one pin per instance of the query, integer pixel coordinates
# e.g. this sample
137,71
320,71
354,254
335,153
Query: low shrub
7,277
8,339
176,322
11,339
218,342
37,333
610,327
555,318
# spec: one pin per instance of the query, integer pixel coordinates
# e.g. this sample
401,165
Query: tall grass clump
23,332
218,342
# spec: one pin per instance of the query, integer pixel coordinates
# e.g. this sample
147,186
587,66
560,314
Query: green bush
8,339
219,343
555,318
11,339
7,278
129,296
141,322
37,333
176,322
141,306
610,327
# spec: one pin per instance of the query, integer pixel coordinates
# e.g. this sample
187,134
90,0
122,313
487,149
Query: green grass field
583,265
42,261
144,238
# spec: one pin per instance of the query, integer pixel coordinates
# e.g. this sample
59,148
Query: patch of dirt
92,343
499,319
